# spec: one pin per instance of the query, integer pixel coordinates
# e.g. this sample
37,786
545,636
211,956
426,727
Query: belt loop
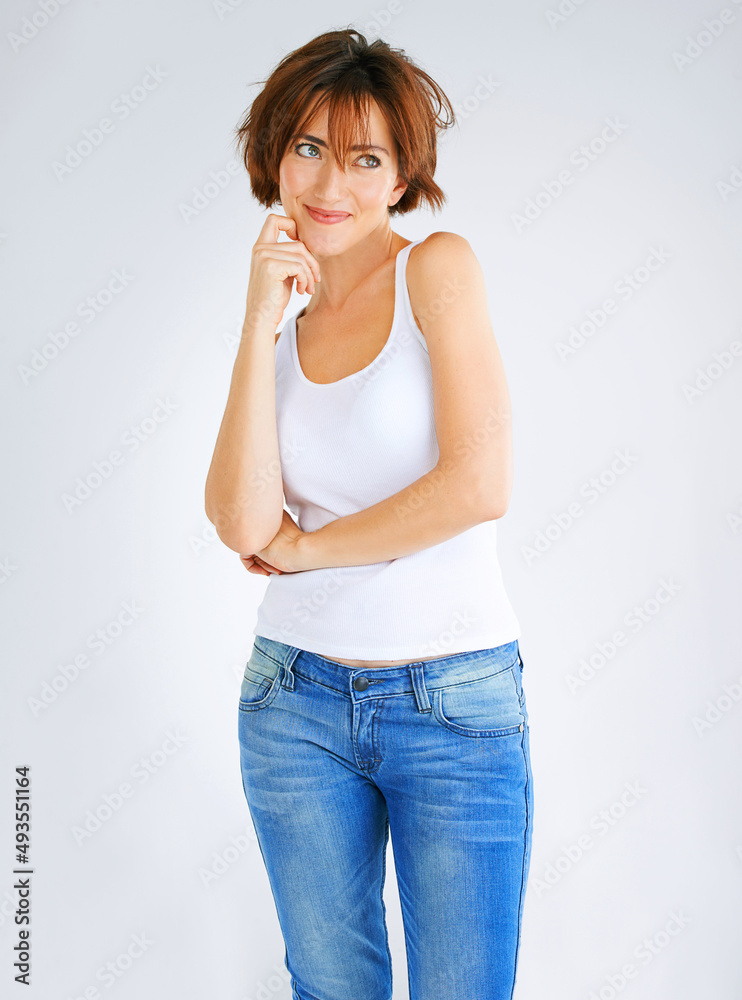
417,674
288,674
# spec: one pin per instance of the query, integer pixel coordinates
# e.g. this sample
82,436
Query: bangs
342,72
347,119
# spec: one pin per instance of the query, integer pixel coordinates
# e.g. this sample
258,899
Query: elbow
494,487
240,523
484,495
491,503
240,536
241,540
491,511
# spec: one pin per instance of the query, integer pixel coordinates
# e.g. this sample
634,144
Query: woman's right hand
254,564
273,269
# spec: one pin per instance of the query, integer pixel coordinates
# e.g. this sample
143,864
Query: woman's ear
397,193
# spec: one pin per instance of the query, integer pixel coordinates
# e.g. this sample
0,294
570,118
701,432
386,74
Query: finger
307,279
275,224
311,260
298,269
300,247
252,567
268,566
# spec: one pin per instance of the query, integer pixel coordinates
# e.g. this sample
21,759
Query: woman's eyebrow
321,142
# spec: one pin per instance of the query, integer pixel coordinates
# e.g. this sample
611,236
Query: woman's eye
309,144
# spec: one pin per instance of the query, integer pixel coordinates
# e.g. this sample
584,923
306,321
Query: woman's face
309,178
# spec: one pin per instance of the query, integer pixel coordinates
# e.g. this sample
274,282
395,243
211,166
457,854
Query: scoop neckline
387,344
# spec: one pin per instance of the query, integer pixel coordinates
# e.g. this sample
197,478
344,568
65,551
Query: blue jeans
436,752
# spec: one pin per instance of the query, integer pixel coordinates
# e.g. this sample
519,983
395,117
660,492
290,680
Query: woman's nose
330,183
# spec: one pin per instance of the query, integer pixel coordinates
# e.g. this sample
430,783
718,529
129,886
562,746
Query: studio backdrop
596,170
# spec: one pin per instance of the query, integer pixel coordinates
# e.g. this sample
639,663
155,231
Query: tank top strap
402,305
403,316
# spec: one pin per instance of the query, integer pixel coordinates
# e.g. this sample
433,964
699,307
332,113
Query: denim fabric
435,753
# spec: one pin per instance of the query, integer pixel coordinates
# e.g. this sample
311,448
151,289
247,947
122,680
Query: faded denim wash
435,753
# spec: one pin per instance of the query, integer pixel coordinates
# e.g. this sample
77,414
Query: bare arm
472,479
244,488
436,507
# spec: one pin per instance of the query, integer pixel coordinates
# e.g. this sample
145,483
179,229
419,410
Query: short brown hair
345,72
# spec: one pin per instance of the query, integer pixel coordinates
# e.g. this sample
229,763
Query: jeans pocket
260,681
488,706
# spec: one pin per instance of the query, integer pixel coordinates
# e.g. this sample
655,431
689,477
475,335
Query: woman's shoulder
440,242
439,251
441,260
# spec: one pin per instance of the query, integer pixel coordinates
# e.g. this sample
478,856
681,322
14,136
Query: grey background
141,537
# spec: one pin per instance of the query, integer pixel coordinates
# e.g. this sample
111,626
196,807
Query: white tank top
345,446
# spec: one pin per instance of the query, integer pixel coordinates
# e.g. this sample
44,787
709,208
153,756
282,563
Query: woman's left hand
281,554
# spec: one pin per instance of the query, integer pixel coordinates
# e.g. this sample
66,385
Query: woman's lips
329,218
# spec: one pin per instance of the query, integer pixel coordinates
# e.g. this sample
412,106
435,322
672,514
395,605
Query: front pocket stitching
250,706
463,730
472,680
258,673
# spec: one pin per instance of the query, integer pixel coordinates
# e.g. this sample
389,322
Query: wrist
261,315
307,551
259,327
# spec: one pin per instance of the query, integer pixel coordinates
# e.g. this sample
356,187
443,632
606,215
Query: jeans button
360,683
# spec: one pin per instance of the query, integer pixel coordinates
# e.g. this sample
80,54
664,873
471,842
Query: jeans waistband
419,677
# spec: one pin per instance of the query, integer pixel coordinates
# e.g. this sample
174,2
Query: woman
383,694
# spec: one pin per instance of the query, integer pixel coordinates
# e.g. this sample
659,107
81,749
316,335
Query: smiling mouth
321,216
